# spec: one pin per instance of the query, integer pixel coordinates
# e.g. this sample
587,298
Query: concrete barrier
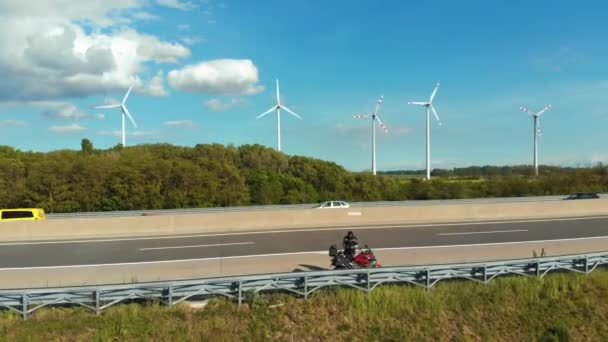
288,219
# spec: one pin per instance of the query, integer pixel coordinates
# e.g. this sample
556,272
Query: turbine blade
126,111
267,112
291,112
361,116
434,92
384,128
107,106
436,116
124,99
544,110
381,124
378,104
526,110
419,103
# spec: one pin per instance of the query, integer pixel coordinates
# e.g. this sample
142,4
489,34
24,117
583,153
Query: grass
559,307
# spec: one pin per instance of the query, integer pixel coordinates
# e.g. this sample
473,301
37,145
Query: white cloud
221,76
11,122
47,53
150,48
177,4
183,27
54,109
65,111
73,128
156,87
111,100
102,13
57,110
145,16
217,105
180,123
192,40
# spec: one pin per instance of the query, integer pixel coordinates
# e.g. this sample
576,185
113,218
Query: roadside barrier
98,298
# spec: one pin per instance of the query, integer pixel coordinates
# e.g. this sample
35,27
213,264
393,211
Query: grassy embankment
514,309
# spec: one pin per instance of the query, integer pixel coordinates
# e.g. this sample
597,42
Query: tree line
163,176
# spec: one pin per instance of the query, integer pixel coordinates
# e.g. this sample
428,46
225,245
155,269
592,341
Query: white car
333,205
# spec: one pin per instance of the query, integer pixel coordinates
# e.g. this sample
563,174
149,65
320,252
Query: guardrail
99,298
300,207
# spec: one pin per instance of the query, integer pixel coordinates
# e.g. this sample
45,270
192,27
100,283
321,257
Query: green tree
86,146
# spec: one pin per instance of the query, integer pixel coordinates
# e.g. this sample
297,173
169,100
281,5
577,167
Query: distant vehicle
333,205
582,195
22,214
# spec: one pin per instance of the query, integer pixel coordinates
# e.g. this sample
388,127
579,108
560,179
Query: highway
290,241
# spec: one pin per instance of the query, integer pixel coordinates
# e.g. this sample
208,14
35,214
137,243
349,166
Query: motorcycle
365,258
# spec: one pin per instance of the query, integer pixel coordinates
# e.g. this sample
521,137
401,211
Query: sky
202,70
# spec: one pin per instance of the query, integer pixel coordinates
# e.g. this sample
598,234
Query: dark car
582,195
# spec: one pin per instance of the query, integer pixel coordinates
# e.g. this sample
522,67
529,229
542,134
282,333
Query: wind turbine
429,107
124,111
375,118
278,108
537,132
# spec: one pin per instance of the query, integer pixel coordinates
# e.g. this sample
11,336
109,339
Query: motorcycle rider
350,243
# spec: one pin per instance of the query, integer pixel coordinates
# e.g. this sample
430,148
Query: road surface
14,255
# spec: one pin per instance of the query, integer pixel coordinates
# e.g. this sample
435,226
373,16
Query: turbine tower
374,116
278,108
429,107
536,117
124,111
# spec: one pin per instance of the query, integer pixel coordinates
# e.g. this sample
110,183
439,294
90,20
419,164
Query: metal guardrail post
537,269
24,305
97,302
368,282
170,295
428,279
586,265
240,292
485,275
305,287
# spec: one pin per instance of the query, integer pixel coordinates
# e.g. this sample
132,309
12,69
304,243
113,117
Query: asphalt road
150,249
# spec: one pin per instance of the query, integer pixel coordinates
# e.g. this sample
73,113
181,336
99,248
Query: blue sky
203,71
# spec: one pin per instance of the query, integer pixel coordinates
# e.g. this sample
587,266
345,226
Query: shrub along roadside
163,176
556,308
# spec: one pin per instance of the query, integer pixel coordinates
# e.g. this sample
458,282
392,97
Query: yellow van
22,214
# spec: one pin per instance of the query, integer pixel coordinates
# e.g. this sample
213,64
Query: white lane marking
354,213
197,246
296,253
299,230
486,232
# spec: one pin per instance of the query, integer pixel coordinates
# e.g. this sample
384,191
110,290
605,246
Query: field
559,307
